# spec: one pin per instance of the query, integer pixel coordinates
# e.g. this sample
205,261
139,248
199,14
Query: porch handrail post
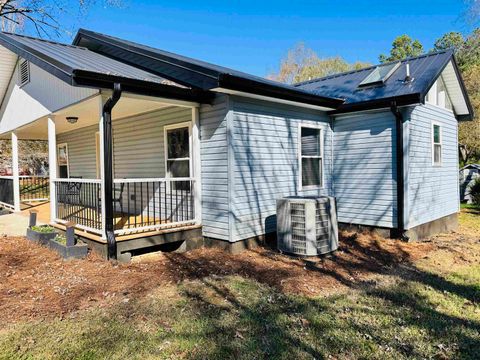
15,173
197,166
52,166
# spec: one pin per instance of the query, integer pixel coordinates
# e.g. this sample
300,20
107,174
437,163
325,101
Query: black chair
73,192
117,196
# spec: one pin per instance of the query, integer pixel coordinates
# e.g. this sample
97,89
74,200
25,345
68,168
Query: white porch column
52,166
101,101
15,173
197,166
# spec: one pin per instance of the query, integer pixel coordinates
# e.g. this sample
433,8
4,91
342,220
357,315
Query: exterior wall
214,162
36,99
139,142
433,191
264,163
81,151
365,169
138,145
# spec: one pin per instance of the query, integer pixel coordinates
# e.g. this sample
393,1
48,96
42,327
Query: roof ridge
43,40
371,67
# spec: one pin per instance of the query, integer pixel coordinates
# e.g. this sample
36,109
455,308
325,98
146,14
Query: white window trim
436,123
299,156
68,158
187,124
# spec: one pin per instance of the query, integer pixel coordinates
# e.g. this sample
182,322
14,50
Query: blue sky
253,35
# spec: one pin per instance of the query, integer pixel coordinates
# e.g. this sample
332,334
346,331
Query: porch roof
79,66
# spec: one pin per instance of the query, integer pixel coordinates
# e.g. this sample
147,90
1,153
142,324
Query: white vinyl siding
365,169
42,95
433,191
214,162
265,142
81,151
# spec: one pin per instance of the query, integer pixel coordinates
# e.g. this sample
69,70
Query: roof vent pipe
408,78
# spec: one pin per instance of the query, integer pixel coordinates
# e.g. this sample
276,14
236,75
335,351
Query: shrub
474,191
43,228
62,239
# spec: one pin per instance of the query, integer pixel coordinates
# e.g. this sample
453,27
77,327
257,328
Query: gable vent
24,72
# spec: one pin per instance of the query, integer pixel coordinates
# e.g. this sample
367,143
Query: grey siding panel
433,191
265,163
365,169
214,159
82,158
139,142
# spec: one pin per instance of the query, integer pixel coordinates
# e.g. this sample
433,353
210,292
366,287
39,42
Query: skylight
380,74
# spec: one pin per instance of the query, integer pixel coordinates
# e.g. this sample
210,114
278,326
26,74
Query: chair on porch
72,192
117,196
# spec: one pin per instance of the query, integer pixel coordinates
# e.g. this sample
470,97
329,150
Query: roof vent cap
408,79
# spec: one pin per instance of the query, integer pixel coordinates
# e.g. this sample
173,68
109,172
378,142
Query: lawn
377,299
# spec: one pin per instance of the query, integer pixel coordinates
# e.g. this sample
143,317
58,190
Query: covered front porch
155,172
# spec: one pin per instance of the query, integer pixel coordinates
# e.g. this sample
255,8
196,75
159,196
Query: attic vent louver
379,75
24,72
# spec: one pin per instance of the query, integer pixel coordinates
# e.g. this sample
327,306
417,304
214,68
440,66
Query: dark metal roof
80,66
196,73
424,70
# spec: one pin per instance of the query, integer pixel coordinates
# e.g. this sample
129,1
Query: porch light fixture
72,119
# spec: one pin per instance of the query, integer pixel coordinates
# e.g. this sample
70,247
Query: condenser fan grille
297,213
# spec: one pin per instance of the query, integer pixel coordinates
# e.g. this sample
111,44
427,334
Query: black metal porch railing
139,204
34,188
151,203
79,201
6,191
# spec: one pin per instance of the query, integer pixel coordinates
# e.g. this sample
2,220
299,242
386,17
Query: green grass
414,313
469,206
421,315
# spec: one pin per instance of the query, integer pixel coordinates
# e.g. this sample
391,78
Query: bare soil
36,283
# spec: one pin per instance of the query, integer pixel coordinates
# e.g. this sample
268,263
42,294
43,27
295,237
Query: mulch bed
35,283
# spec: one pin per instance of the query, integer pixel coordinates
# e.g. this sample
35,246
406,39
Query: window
311,157
438,95
177,151
379,74
24,72
62,161
436,144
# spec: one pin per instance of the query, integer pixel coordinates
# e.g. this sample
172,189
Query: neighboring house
200,152
468,174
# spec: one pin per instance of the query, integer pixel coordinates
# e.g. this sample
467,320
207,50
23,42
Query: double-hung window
436,144
311,157
178,153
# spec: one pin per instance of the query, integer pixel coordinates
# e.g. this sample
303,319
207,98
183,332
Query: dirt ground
36,284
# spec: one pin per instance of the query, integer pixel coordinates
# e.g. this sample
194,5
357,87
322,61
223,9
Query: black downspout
400,170
108,169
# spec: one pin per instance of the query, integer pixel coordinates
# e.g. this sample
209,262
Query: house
468,174
148,147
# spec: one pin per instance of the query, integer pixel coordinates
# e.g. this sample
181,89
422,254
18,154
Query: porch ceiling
88,113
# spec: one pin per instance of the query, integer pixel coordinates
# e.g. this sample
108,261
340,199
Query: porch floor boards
121,222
